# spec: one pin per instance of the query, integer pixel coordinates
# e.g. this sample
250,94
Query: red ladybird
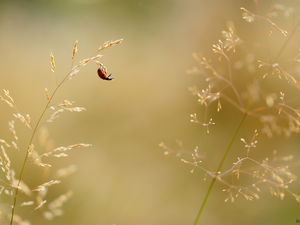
103,74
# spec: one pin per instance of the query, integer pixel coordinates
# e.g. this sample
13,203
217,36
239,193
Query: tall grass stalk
220,167
259,100
240,124
13,187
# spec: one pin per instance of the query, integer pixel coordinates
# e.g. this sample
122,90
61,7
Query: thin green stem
68,76
232,140
241,122
25,159
30,142
219,168
204,201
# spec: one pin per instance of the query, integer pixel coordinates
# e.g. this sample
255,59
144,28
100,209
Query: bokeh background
124,178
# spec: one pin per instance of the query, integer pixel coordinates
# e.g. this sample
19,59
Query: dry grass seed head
75,109
72,73
47,184
54,115
109,44
30,149
249,17
59,149
5,164
65,103
27,203
44,165
53,67
231,39
40,205
4,142
12,129
22,119
47,94
74,49
6,92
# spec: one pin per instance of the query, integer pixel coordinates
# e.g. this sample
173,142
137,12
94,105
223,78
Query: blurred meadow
124,178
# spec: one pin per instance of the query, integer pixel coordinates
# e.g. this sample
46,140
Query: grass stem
219,168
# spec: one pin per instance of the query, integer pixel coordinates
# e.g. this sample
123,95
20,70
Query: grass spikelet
5,164
27,203
4,142
44,165
249,17
6,92
75,109
109,44
14,144
28,119
2,162
60,155
65,103
12,129
47,94
73,73
47,184
74,49
22,119
83,62
96,57
53,67
7,102
40,205
72,147
54,115
30,149
60,149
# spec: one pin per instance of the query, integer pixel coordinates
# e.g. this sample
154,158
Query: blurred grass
124,178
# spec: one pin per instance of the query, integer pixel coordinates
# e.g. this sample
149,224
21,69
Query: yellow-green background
124,177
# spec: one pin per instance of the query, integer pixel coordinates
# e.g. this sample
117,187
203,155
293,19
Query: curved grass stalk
73,72
30,142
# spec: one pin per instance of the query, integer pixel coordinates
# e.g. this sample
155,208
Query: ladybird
103,75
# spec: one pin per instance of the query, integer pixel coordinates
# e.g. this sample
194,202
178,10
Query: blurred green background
124,178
